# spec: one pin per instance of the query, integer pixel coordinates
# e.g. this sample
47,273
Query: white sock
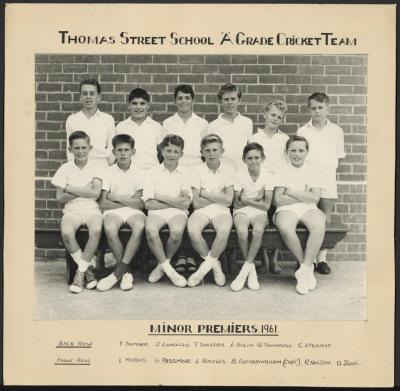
322,256
207,257
76,256
83,265
93,261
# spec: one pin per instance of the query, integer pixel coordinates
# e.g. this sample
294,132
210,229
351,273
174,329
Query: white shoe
252,280
126,282
302,275
156,274
238,283
77,285
175,277
107,283
312,281
90,278
203,269
219,276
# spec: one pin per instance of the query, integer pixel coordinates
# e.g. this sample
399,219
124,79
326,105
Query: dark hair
172,139
319,97
138,93
91,82
123,139
229,87
78,134
211,138
185,88
253,147
294,138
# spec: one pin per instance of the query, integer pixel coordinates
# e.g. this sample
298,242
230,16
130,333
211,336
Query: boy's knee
284,230
67,233
257,231
138,227
243,232
95,229
151,231
223,232
175,234
110,228
318,228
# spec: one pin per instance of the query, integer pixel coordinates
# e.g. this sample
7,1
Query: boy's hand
242,197
185,193
110,197
138,193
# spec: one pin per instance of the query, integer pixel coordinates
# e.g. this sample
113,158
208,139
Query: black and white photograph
195,218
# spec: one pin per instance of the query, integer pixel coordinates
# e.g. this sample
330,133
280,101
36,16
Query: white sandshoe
219,276
126,282
302,277
252,280
175,277
238,283
203,269
107,283
156,274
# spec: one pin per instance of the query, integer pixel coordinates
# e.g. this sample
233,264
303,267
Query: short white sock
76,256
93,261
83,265
207,257
322,256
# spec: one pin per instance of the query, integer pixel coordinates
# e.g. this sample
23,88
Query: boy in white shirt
99,126
273,142
167,198
297,192
122,204
144,130
234,129
186,124
326,141
78,186
212,189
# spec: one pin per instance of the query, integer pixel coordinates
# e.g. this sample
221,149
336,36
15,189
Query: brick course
288,77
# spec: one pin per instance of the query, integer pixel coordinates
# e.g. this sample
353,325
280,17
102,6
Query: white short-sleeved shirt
326,145
235,136
274,148
122,182
192,131
100,127
161,180
204,178
147,136
243,181
298,178
70,174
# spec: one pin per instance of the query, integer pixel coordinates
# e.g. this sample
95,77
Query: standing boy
78,186
167,198
186,124
122,204
145,131
273,142
234,129
99,126
212,189
326,142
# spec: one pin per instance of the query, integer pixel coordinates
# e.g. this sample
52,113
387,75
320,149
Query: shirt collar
238,116
146,121
97,113
310,125
178,169
193,117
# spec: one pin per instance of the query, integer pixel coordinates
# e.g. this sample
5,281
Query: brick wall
261,77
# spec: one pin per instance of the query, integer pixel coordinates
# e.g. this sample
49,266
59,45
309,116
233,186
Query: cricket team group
217,174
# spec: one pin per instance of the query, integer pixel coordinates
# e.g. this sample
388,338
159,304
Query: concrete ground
339,296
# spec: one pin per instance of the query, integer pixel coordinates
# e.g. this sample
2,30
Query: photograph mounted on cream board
210,106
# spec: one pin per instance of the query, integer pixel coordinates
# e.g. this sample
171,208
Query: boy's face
90,98
273,118
230,102
297,152
253,159
171,153
139,108
212,152
123,153
184,102
80,148
319,110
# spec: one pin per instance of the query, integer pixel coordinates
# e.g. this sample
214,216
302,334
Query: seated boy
145,131
326,148
167,197
78,186
122,204
99,126
234,129
212,189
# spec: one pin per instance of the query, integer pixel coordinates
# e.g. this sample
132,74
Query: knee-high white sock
83,265
76,256
322,256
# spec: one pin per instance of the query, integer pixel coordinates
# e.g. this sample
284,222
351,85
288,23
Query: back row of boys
325,141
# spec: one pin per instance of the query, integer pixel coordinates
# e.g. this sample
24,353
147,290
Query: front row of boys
167,193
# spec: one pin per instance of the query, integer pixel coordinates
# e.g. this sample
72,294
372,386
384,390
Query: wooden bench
51,238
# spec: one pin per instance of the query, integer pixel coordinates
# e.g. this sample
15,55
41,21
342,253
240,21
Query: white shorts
249,211
168,213
213,210
299,209
330,189
124,212
84,215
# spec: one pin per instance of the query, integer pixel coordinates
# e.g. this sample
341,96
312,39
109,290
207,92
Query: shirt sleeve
229,177
269,182
300,131
195,181
60,178
140,179
106,181
280,178
237,183
110,133
186,185
340,153
159,134
149,186
69,130
249,130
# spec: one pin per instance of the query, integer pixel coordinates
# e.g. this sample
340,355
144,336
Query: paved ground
339,296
